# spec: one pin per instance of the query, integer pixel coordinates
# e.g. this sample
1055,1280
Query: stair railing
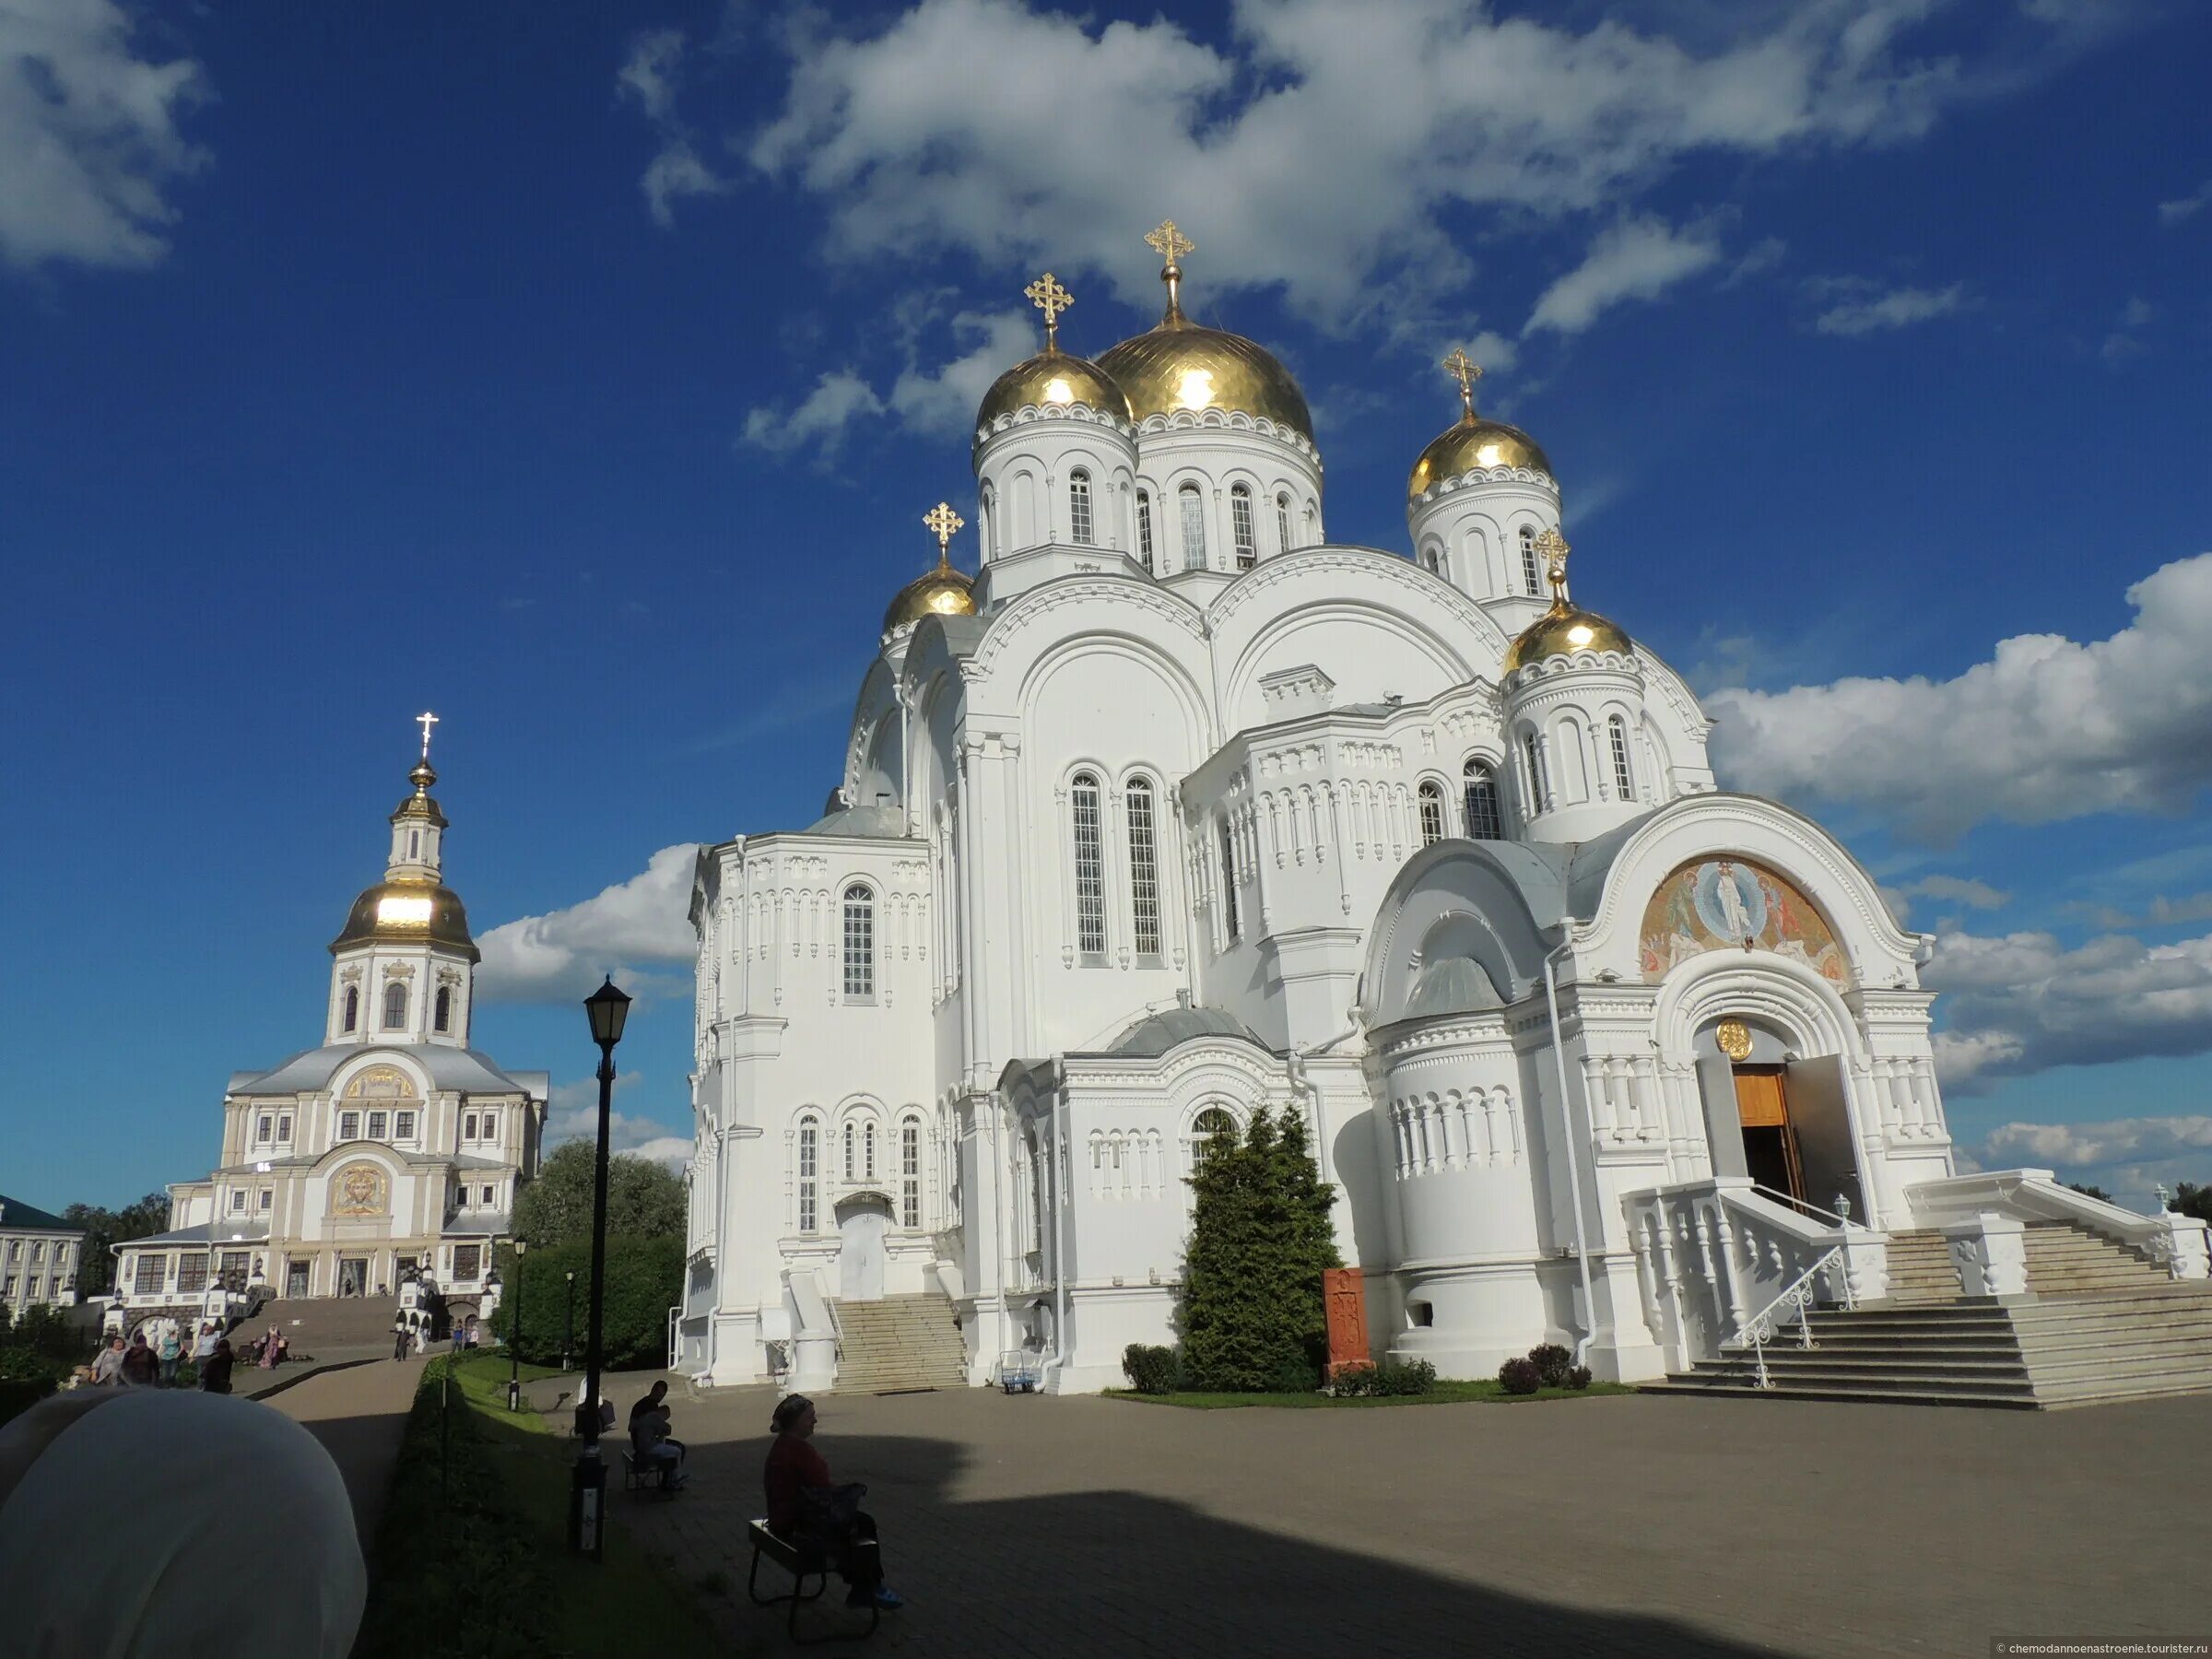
1803,1208
1796,1297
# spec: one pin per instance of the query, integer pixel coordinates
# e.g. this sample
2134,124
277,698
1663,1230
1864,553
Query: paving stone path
1620,1526
358,1414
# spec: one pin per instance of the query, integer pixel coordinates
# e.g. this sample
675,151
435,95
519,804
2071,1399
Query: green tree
2090,1192
644,1279
2190,1199
1252,1303
643,1199
105,1228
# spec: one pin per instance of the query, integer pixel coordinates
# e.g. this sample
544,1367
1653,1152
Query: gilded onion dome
1473,440
400,912
1050,378
1565,629
943,591
1179,365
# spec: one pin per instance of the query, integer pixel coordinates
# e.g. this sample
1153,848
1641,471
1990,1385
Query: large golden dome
1562,631
943,591
407,912
1475,440
1179,365
1052,378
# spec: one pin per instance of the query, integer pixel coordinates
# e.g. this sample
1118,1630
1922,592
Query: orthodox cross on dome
1049,296
1553,546
1466,371
942,521
1171,244
425,721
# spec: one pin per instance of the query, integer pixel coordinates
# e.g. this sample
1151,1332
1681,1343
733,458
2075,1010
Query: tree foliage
38,1343
2190,1199
106,1228
643,1199
1253,1312
644,1279
2087,1191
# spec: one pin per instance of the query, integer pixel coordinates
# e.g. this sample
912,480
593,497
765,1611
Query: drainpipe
1059,1157
1574,1168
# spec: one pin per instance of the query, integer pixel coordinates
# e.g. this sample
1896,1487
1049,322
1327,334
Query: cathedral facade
1178,809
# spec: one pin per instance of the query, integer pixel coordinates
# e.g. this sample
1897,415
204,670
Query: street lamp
514,1335
610,1010
568,1323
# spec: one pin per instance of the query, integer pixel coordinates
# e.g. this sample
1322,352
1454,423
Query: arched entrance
864,1225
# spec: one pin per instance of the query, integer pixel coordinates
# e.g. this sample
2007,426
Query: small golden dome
943,591
1052,378
1475,441
1562,631
407,912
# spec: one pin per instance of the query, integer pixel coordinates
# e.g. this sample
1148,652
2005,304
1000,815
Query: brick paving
1627,1525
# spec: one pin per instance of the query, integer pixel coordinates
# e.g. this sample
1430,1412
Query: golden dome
408,912
943,591
1051,378
1471,443
1562,631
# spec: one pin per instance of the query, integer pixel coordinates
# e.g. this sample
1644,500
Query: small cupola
942,592
1478,498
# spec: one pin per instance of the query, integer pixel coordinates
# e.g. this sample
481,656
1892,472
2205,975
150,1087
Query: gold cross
1466,371
1049,296
1554,548
425,721
1169,243
942,521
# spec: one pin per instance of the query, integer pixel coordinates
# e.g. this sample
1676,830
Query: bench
802,1562
651,1477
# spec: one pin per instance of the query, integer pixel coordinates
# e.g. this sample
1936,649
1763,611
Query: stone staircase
2102,1323
900,1343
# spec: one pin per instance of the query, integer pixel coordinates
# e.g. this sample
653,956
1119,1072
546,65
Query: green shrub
1294,1376
1519,1377
1391,1378
644,1279
1579,1377
1150,1370
1552,1362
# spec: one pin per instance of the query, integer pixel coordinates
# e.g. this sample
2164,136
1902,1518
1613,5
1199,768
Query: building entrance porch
864,1225
1772,1155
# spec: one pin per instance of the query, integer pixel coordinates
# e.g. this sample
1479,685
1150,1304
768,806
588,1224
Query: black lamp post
568,1323
514,1335
609,1009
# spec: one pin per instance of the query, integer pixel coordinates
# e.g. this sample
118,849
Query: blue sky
581,374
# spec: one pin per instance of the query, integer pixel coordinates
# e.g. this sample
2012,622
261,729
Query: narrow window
984,531
1207,1132
442,1013
1623,780
353,1007
413,844
1090,890
910,1175
238,1201
852,1146
1143,530
396,1007
1432,813
860,942
1240,520
1484,820
378,1121
1282,520
468,1128
808,1150
1538,787
490,1125
264,1130
1228,881
284,1128
1144,869
867,1149
403,1126
1193,527
349,1125
1078,507
1530,574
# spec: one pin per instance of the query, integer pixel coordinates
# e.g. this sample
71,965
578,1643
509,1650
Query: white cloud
89,132
2186,207
1636,259
2127,1157
2047,729
1960,889
2122,343
1325,146
1899,308
573,1113
2021,1002
821,419
674,173
645,920
944,399
649,77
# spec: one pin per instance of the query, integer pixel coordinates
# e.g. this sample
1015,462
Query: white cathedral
1178,810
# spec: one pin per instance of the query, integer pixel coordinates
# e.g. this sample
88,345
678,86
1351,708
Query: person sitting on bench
650,1441
805,1508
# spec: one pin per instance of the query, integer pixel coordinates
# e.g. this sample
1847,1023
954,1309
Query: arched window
910,1174
413,844
353,1007
1143,531
1240,521
987,510
860,942
1078,507
1432,813
1484,822
1531,574
441,1011
1282,519
852,1149
396,1007
1091,884
867,1150
1228,881
809,1149
1538,787
1432,561
1144,868
1211,1131
1193,507
1624,780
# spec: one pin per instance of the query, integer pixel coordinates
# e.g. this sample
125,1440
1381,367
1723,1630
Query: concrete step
1871,1396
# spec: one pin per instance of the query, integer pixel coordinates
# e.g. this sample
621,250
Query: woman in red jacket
805,1507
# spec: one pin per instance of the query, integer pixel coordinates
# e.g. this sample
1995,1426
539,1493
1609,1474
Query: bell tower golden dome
942,592
1473,442
1564,630
1052,379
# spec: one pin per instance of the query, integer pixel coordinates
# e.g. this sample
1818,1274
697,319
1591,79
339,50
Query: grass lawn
1487,1390
472,1557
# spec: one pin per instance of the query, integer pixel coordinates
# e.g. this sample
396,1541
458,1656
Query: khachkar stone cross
942,521
1554,549
425,721
1466,371
1049,296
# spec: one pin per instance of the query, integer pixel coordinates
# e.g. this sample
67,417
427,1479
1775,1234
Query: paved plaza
1629,1525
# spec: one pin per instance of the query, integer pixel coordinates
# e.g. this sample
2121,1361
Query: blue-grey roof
491,1224
1155,1034
207,1232
1453,985
867,823
463,1069
15,1213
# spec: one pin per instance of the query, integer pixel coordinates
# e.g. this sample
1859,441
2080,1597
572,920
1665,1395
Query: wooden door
1762,1106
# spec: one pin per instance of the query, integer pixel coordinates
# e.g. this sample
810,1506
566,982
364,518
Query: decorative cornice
1031,413
1559,662
1235,421
1478,476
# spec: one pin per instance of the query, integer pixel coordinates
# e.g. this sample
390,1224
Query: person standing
205,1345
106,1370
170,1350
399,1342
270,1350
140,1367
215,1370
